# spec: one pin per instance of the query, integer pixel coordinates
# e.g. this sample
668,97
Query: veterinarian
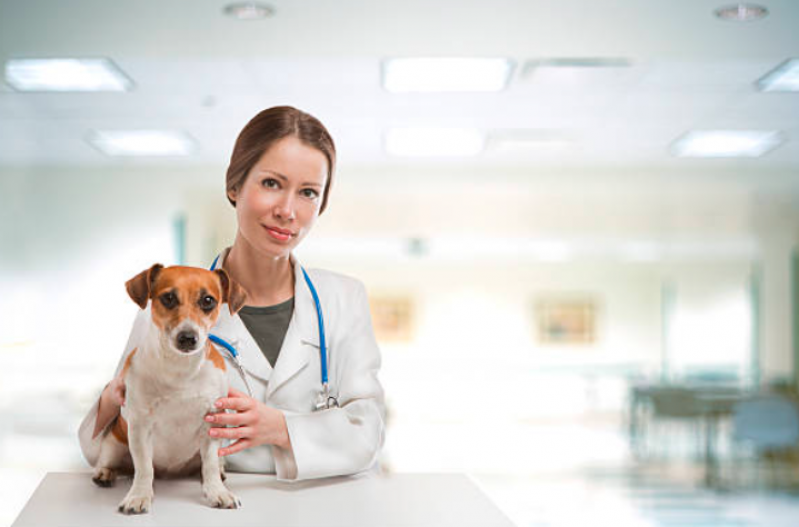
278,181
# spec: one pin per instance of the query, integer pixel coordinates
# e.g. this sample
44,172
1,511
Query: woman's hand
256,423
116,391
111,400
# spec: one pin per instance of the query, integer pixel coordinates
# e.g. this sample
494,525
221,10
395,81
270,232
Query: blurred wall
72,237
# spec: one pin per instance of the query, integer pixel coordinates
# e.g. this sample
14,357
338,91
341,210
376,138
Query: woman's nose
284,209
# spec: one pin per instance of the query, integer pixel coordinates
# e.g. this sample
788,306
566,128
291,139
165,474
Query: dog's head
185,301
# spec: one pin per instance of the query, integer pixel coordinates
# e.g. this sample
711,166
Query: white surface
402,499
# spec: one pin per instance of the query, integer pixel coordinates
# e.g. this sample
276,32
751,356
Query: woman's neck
268,281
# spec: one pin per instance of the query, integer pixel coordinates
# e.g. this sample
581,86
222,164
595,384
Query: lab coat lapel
232,329
301,337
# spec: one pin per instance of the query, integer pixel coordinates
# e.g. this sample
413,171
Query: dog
172,380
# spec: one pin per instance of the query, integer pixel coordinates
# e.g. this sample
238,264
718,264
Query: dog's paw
221,498
104,477
136,504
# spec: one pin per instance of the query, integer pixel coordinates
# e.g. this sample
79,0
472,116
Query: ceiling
201,72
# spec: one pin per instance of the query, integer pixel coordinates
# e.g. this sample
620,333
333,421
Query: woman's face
279,201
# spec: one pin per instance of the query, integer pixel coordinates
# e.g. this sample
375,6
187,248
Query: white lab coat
338,441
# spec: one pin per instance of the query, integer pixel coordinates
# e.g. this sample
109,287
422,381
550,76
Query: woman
278,181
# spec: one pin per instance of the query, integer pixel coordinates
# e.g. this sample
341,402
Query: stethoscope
324,400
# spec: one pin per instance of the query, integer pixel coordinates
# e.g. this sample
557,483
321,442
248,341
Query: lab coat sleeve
91,445
345,440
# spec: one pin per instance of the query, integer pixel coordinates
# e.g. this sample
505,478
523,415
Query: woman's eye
270,183
310,193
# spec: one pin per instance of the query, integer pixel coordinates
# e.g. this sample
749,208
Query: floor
636,496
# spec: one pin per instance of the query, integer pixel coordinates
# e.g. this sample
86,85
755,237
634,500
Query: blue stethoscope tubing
325,400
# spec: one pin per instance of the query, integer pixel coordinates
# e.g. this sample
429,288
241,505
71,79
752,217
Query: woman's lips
279,234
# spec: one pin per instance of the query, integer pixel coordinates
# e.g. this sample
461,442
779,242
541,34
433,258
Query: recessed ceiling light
641,251
249,11
741,12
65,75
784,77
574,73
530,142
575,62
434,142
553,251
726,143
446,74
142,142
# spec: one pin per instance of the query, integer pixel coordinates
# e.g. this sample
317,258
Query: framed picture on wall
392,317
566,321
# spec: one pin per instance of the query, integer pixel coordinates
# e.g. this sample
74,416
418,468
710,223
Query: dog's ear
140,286
232,292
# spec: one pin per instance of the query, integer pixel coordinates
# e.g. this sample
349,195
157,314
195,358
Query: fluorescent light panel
641,251
726,143
784,77
573,65
249,11
434,142
530,141
142,142
446,74
65,75
741,12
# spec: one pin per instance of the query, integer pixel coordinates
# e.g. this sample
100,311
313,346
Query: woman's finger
233,403
222,418
238,446
230,433
232,392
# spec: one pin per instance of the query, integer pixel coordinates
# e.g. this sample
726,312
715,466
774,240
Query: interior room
577,223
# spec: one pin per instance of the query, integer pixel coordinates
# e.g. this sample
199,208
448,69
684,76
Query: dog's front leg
140,496
214,489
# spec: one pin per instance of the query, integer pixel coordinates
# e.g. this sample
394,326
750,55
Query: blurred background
577,221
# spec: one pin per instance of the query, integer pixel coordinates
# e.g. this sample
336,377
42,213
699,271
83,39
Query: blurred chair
769,426
675,410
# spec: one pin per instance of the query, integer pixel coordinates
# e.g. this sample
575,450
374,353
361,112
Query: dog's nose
187,340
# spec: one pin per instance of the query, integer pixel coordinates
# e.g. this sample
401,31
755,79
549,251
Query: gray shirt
268,326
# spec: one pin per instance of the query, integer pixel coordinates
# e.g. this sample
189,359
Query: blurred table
706,402
71,499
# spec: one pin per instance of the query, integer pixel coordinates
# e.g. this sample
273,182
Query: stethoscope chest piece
325,401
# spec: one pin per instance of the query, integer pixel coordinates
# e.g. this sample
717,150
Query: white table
71,499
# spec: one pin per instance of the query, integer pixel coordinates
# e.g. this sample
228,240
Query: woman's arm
348,439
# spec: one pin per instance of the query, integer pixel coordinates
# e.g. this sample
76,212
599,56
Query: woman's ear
232,195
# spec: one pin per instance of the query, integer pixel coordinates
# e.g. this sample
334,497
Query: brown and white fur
172,381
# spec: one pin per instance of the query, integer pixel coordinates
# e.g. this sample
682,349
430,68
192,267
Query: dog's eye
207,303
169,300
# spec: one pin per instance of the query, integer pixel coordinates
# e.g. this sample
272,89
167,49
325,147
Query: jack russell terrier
172,380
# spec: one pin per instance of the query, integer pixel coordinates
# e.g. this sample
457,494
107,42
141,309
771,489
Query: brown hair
270,126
